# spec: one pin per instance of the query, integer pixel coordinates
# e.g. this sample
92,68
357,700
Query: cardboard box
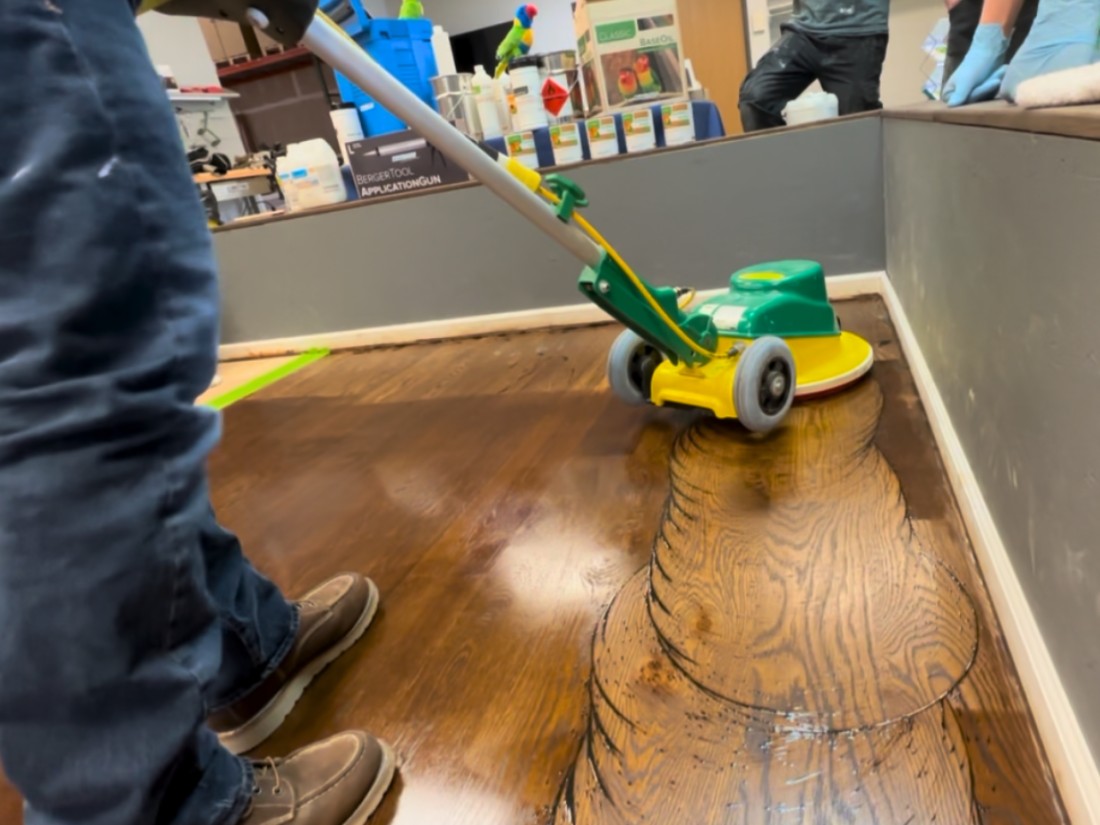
397,163
631,52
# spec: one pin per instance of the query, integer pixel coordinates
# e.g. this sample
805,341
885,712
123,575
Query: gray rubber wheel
764,384
630,367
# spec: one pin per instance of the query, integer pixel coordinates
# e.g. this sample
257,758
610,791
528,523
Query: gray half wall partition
688,217
993,247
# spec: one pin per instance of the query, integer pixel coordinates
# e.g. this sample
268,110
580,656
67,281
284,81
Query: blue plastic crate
402,47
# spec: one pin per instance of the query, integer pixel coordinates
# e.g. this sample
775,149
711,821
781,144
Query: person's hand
980,74
1064,36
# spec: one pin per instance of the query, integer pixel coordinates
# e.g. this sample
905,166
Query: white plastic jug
309,175
812,106
444,54
483,89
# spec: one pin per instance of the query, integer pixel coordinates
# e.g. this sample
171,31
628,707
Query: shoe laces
265,769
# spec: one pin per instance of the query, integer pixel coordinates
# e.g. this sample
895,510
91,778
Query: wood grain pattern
502,499
659,748
785,576
790,642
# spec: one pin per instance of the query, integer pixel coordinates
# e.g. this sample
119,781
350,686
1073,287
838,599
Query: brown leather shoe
332,618
338,781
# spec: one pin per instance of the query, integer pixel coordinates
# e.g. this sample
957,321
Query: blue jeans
126,613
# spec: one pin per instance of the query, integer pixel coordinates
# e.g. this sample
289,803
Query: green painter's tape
267,379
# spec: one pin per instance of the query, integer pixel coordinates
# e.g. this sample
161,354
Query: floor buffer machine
744,353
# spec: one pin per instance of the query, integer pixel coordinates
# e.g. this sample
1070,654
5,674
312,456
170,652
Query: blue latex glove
1064,36
979,75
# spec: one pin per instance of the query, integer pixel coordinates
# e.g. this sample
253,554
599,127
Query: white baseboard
840,287
1075,771
473,325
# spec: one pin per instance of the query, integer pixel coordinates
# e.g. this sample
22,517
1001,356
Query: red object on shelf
554,96
203,90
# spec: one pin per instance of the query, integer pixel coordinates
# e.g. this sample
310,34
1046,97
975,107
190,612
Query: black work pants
849,67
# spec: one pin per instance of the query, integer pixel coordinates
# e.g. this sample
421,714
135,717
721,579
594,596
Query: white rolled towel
1070,87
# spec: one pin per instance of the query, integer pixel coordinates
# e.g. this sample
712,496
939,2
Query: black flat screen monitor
479,47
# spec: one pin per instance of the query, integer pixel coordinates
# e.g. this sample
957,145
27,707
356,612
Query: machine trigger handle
569,193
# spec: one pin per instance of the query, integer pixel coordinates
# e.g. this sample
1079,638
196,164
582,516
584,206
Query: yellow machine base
822,364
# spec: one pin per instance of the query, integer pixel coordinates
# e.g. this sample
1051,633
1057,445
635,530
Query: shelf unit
199,98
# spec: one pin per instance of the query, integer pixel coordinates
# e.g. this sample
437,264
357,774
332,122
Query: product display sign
638,128
522,147
631,52
397,163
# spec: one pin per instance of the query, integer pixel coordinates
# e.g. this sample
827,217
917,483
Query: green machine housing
787,299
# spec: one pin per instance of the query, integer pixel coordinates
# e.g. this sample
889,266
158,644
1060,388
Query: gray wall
689,217
993,242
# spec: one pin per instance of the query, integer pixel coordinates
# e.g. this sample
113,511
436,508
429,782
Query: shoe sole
260,727
382,783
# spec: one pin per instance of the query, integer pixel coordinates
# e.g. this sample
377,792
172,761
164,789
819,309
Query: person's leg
267,662
851,69
782,74
108,326
258,628
128,615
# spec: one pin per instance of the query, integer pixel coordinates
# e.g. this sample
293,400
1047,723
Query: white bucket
603,137
489,118
679,123
482,88
528,109
309,175
811,107
639,131
565,138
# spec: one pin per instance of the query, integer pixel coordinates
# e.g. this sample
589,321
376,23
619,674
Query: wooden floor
602,614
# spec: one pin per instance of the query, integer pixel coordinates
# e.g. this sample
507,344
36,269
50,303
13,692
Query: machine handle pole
343,54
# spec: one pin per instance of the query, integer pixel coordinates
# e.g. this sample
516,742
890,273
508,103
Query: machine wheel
630,367
764,384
